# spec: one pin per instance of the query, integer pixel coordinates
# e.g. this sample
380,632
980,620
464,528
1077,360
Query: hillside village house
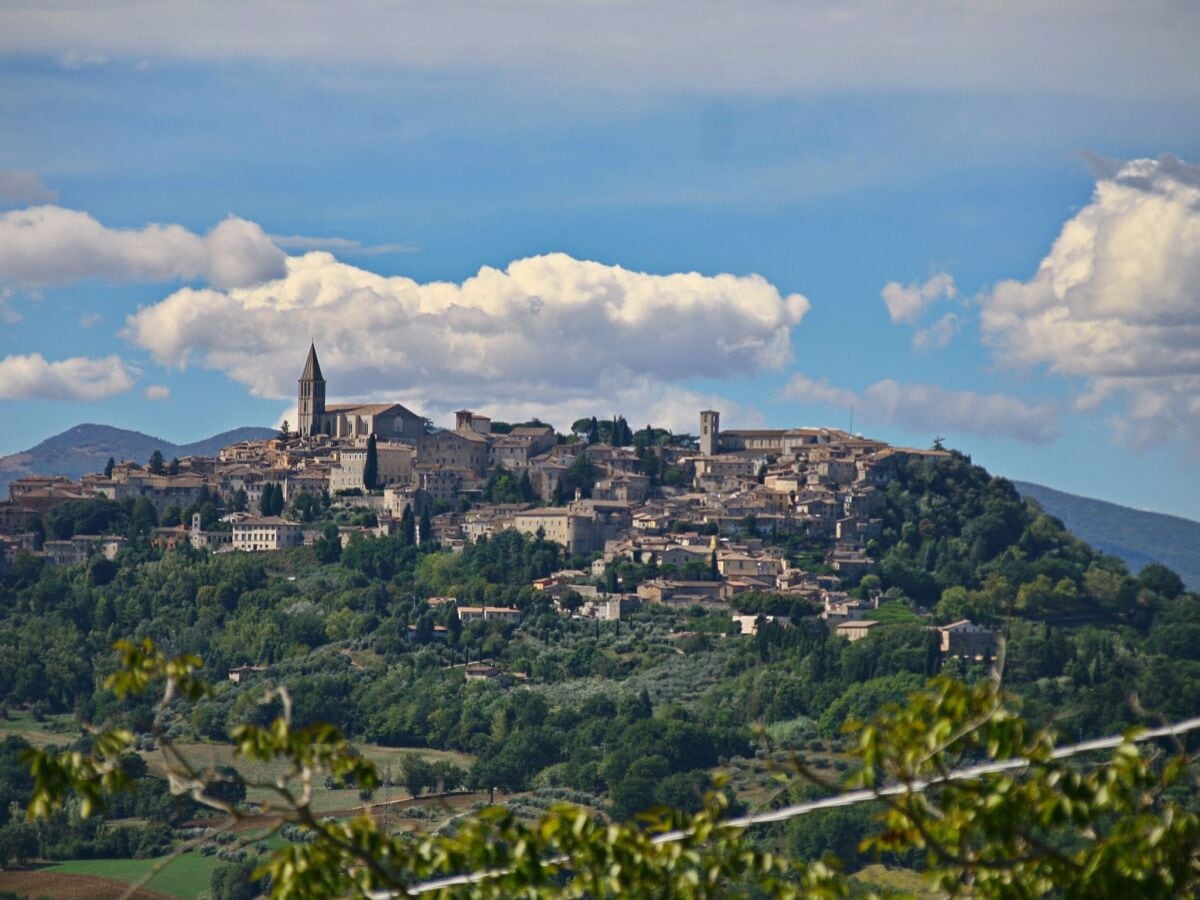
967,640
79,549
268,533
503,613
856,629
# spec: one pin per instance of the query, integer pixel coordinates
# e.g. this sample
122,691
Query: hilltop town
509,612
645,516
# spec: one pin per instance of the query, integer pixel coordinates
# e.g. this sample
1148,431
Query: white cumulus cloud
907,303
1116,302
157,392
44,245
928,407
545,333
32,377
939,334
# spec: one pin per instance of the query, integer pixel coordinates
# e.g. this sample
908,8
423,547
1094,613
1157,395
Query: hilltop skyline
981,228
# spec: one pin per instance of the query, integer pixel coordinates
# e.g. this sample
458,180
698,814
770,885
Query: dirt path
61,886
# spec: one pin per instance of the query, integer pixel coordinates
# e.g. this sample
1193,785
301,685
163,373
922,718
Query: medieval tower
310,404
710,432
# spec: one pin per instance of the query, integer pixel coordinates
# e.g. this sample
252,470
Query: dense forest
628,714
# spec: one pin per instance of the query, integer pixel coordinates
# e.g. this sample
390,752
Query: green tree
1110,824
1163,581
328,547
417,773
109,466
236,882
142,518
408,527
371,466
157,464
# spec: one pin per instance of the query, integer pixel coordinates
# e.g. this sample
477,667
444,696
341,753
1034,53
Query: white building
270,533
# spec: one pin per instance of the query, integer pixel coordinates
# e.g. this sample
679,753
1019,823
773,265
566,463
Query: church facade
387,421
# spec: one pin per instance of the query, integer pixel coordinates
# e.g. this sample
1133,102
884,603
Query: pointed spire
312,368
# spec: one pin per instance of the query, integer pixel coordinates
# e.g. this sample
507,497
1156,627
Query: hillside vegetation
617,715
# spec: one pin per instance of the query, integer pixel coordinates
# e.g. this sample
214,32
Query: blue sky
830,154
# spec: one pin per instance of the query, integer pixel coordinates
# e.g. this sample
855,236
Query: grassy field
55,729
206,755
903,881
186,876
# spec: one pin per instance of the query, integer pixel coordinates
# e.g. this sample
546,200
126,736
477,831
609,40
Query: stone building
388,421
394,465
577,531
967,640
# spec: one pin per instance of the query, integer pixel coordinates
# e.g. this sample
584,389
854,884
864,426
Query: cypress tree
371,466
525,487
425,527
408,526
108,467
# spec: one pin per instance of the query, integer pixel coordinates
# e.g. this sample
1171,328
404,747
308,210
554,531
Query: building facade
268,533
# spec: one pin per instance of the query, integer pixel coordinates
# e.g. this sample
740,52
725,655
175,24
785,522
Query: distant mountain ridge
86,448
1135,536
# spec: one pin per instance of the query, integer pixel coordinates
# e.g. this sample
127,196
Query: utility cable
849,798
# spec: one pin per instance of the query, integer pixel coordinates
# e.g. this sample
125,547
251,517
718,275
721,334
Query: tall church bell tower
710,432
310,404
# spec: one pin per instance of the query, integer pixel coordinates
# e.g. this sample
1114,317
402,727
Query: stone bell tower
310,403
710,432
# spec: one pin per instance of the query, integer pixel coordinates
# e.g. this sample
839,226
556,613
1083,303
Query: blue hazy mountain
86,448
1136,536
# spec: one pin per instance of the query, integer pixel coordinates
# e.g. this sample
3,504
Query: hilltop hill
86,448
1135,536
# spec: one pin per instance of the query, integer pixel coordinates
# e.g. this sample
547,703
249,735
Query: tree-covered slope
1136,536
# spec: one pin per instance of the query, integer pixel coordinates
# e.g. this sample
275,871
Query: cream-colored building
266,533
856,629
394,465
577,531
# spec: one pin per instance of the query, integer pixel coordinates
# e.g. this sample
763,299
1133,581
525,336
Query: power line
850,798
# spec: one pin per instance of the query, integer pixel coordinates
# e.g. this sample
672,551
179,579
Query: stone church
387,421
